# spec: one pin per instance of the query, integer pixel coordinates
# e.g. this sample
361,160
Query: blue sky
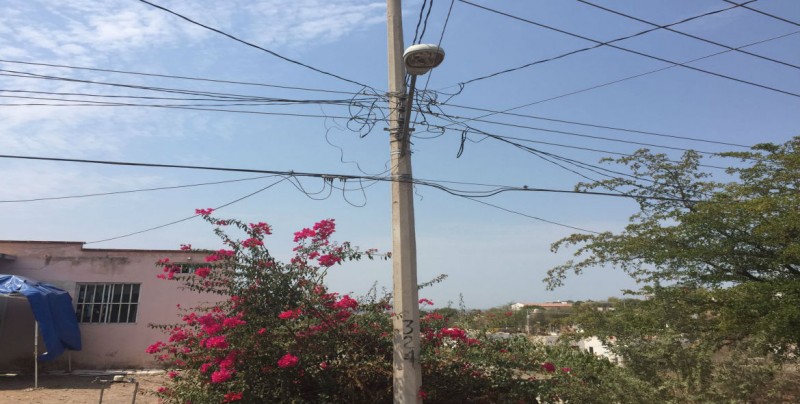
492,257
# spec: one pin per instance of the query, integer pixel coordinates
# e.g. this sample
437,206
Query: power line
579,164
246,83
608,83
650,133
482,133
608,43
187,218
530,216
582,49
765,13
568,133
417,36
297,115
253,45
690,35
329,176
217,102
130,191
28,75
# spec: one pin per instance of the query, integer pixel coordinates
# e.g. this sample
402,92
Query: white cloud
313,21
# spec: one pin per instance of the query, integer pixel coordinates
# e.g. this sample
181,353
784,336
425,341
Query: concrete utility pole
407,370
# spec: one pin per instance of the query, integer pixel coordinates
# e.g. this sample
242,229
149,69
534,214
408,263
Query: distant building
116,296
545,305
595,346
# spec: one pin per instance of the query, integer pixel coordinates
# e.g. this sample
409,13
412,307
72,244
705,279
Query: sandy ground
72,389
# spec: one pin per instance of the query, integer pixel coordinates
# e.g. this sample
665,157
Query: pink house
116,295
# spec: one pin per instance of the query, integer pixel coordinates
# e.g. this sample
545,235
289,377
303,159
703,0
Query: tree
729,254
690,229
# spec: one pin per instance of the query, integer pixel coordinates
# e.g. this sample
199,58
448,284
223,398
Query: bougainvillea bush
281,336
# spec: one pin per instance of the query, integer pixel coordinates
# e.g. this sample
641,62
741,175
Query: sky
122,80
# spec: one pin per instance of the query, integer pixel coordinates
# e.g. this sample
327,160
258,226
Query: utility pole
407,369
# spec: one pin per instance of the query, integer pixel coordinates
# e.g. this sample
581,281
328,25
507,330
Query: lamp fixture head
421,58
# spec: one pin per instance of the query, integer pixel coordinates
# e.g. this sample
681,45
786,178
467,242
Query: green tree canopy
692,229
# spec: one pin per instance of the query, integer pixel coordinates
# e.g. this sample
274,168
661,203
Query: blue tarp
52,308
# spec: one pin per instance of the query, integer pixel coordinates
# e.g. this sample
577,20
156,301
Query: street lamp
418,60
421,58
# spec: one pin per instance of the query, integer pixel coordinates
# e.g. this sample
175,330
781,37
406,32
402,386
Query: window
107,302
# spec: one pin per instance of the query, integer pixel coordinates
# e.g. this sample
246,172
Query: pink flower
163,390
225,253
216,342
231,322
325,228
454,333
252,242
205,367
289,314
323,365
178,334
232,397
422,394
328,260
549,367
212,258
566,370
304,234
155,347
260,228
346,303
262,331
202,272
433,316
162,261
172,374
426,301
203,212
186,247
220,376
288,361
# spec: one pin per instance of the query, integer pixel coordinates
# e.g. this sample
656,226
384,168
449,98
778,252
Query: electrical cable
189,217
130,191
326,175
245,83
221,104
650,133
297,115
583,49
765,13
253,45
530,216
563,145
419,21
609,44
568,133
689,35
230,96
259,101
594,87
590,167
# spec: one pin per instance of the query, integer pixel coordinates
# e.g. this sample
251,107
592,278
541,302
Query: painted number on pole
408,341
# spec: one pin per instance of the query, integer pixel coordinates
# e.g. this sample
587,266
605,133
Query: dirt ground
72,389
